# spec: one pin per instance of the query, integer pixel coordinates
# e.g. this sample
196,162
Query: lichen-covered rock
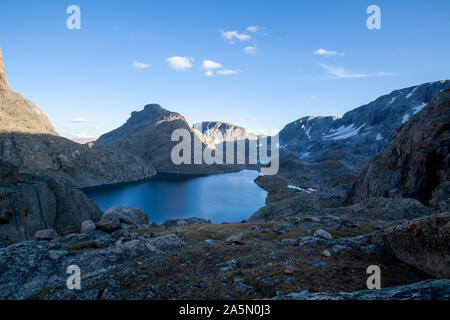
26,268
323,234
385,209
237,238
440,201
88,226
129,215
110,222
423,243
302,204
186,222
45,235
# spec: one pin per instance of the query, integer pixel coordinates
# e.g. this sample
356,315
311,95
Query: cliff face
83,166
3,81
33,202
415,162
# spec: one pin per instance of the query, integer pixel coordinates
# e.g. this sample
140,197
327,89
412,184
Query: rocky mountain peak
18,114
217,131
3,81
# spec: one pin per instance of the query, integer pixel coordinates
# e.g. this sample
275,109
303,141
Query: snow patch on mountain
419,108
343,132
411,93
405,118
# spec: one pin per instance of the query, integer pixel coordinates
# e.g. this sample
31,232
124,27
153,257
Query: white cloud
232,36
208,73
79,120
210,65
250,50
140,65
341,73
327,53
387,74
253,29
228,72
180,63
82,135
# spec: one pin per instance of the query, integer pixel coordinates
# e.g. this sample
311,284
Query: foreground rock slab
423,243
426,290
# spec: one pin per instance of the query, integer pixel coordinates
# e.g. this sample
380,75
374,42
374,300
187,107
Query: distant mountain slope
217,131
415,162
362,132
326,153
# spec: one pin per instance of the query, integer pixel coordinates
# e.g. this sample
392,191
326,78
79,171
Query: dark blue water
230,197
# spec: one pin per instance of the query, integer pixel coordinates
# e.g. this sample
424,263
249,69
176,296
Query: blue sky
90,74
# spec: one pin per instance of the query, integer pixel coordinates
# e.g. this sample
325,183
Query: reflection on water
230,197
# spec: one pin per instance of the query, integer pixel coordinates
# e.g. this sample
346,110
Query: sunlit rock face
3,81
18,114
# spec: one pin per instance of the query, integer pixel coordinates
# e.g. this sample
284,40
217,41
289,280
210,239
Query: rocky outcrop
18,114
186,222
30,203
4,85
440,201
276,187
384,209
415,162
27,268
425,290
302,204
129,215
423,243
48,154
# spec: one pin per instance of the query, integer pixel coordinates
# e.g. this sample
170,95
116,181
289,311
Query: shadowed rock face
423,243
31,202
415,162
83,166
